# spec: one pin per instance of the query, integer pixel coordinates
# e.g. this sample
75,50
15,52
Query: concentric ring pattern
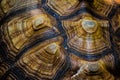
59,40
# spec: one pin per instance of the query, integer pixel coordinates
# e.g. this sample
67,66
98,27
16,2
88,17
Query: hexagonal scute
84,70
60,40
32,25
45,58
85,34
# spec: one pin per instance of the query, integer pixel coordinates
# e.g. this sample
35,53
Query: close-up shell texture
59,39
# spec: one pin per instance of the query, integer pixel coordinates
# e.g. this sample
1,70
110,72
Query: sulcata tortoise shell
59,39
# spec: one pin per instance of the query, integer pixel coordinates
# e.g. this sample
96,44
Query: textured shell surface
59,39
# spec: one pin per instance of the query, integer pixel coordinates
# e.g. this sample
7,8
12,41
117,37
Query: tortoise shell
59,40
